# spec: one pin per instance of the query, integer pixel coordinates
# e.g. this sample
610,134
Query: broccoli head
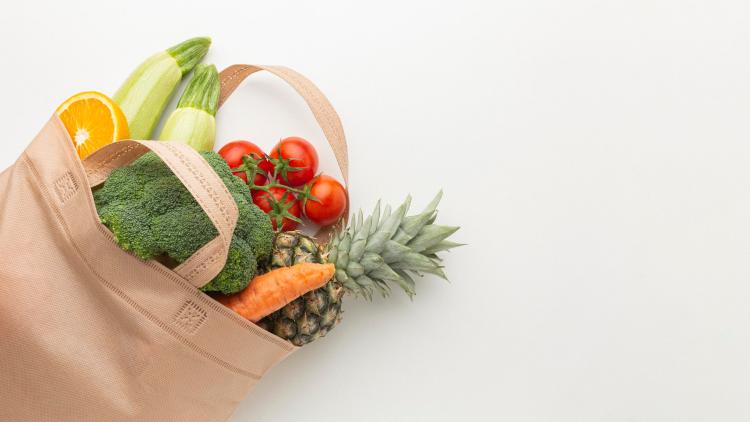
153,216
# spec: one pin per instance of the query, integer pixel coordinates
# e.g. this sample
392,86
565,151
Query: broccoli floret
152,215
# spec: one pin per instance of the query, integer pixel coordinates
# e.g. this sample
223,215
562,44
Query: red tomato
332,197
299,153
279,203
235,150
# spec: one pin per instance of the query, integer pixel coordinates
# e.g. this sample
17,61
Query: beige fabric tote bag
89,332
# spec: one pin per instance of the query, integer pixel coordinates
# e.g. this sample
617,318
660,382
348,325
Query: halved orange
92,120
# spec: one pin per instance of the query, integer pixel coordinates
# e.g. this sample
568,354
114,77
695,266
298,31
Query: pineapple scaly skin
368,254
313,314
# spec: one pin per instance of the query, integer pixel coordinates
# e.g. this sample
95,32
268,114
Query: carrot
273,290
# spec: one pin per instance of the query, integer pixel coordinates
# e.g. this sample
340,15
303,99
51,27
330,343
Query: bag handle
199,179
324,113
321,108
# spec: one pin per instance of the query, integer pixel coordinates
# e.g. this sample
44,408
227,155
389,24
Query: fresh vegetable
273,290
323,199
328,202
148,89
235,152
281,206
369,255
92,120
193,120
152,215
296,161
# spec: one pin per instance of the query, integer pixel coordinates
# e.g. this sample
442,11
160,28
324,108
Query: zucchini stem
190,52
202,92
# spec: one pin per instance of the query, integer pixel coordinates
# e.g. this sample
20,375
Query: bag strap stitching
202,267
317,101
112,157
234,75
211,259
212,193
326,116
326,112
178,157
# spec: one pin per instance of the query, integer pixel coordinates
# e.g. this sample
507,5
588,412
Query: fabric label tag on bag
66,187
190,317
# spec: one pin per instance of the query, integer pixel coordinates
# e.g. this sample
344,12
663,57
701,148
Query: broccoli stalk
153,216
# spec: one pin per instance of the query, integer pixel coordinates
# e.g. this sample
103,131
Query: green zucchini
193,122
146,92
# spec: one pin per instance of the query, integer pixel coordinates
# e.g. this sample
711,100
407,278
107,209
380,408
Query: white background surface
595,154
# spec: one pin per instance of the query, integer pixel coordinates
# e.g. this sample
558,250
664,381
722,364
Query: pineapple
368,255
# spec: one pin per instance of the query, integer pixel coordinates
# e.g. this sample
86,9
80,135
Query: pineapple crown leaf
390,247
359,237
430,235
407,283
375,218
387,228
411,225
393,251
443,245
